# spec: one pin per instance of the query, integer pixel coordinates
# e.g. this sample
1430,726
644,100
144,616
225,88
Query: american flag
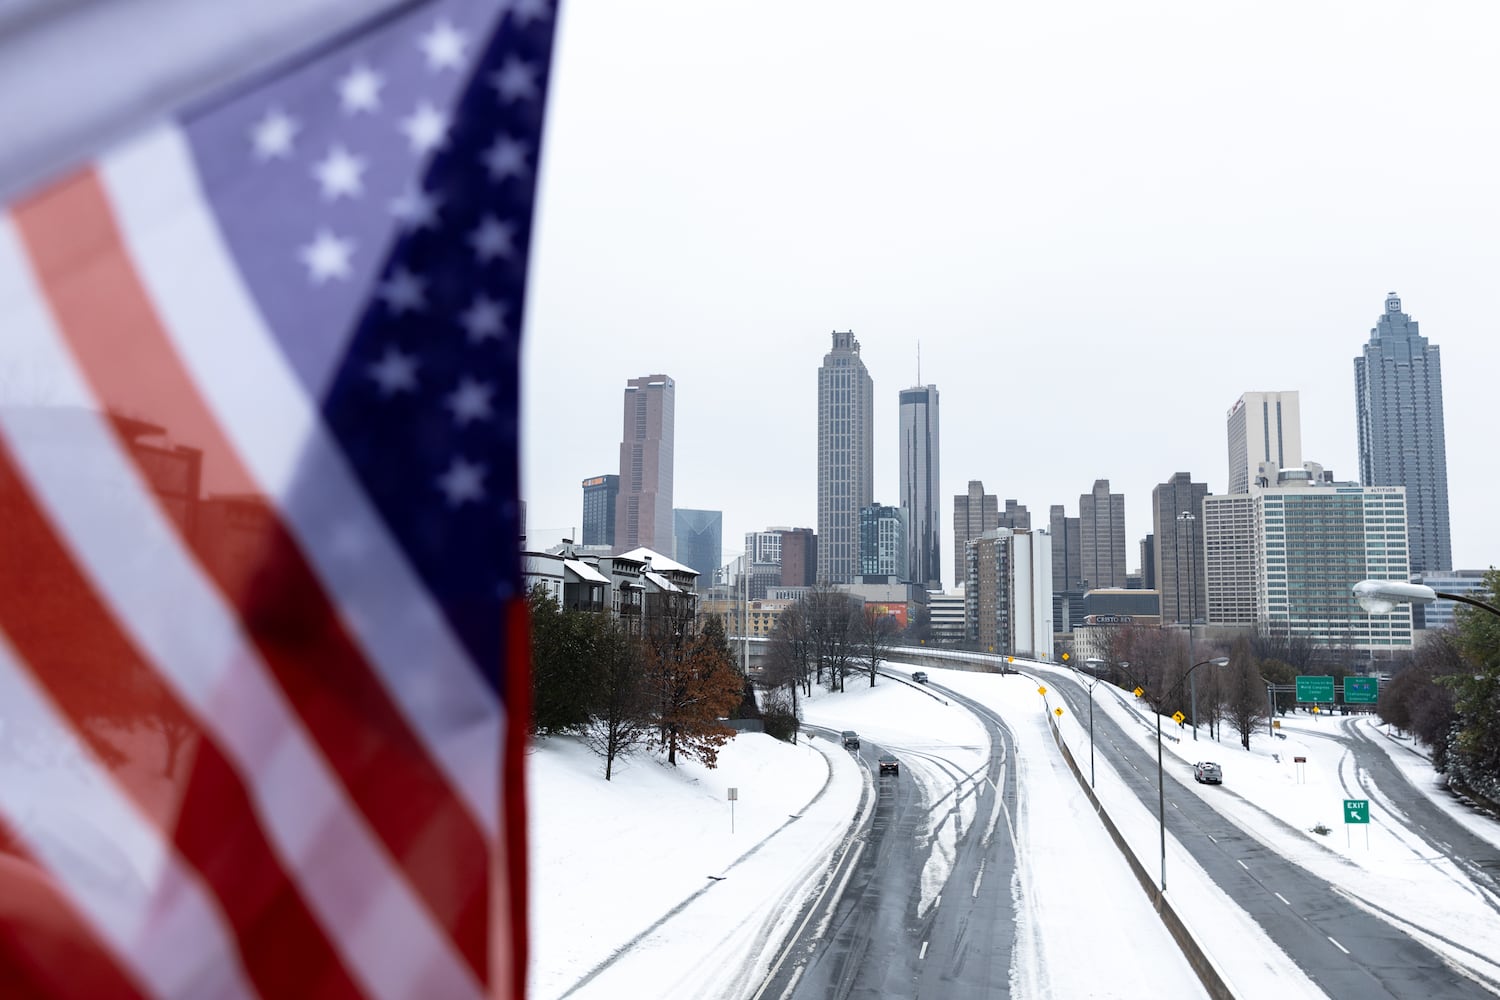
263,652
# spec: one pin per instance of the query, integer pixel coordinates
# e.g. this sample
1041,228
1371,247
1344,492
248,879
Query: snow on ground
1280,802
639,887
610,860
943,747
623,906
1414,762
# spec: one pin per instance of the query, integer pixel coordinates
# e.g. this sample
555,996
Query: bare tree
832,619
1245,695
874,635
619,720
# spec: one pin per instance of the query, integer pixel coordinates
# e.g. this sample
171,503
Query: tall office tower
1229,559
1177,523
1067,552
1263,427
919,485
846,456
799,557
1008,592
1398,397
974,513
600,495
1101,536
1015,516
883,545
698,535
1148,562
1312,536
643,512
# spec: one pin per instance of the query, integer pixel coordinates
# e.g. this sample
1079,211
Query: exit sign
1314,688
1356,810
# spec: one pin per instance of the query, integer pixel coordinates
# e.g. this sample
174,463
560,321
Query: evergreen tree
562,670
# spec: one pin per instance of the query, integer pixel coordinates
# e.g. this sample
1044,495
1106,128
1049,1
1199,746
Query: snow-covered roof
659,562
661,581
585,571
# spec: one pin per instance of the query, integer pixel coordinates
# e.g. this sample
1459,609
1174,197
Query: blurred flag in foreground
262,643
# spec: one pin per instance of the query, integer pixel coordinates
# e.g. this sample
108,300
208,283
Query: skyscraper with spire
1398,396
846,456
919,484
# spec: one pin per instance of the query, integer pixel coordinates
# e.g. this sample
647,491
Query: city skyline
1083,320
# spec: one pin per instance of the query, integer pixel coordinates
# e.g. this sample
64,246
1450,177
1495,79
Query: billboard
896,611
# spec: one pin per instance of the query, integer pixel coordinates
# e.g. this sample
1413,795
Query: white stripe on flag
111,861
221,336
118,536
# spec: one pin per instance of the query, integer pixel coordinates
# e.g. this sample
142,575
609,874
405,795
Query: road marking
937,901
1241,864
1174,805
1282,898
1213,838
1339,947
923,953
977,877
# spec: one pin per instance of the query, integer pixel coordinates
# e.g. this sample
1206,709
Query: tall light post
1189,519
1161,792
1094,665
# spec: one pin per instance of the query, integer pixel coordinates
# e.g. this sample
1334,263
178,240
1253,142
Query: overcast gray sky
1102,221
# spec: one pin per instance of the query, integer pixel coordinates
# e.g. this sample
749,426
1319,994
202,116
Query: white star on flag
463,482
404,292
484,319
327,256
426,128
515,81
470,401
416,209
444,46
395,372
272,136
506,158
492,239
340,174
359,90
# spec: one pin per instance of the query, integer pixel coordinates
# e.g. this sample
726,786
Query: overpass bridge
921,656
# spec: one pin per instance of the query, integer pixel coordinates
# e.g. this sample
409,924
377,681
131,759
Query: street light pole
1094,664
1189,519
1161,792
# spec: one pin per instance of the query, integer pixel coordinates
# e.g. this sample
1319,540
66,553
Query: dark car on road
889,764
920,676
851,740
1207,772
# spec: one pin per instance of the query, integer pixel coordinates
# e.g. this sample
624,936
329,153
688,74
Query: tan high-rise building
1177,527
643,509
846,457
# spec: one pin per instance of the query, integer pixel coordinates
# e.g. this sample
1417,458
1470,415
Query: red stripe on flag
47,949
113,330
517,673
110,695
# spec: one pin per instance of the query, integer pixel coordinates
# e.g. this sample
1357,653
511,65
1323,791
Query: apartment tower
846,457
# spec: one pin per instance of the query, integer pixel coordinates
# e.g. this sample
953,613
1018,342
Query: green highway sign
1356,810
1361,690
1314,688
